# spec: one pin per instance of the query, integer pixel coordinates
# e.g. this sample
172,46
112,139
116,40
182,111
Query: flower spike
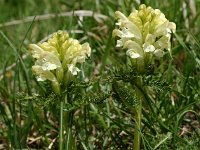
58,57
144,33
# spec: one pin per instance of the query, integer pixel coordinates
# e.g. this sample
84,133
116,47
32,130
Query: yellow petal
133,54
132,28
121,16
149,48
49,61
74,70
117,32
172,26
43,74
86,49
158,53
35,50
133,45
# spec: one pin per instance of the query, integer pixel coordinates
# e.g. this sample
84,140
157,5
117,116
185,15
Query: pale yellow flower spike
144,33
58,57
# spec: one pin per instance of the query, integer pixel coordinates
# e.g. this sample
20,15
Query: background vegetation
102,98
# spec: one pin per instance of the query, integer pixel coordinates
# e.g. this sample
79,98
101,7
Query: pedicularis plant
57,61
145,34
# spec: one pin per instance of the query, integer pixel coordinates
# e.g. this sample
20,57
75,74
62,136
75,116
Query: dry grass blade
80,13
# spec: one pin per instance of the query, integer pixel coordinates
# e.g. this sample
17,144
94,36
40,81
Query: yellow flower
144,33
58,57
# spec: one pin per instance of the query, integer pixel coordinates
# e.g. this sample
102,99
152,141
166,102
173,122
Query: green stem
138,126
69,137
61,126
68,121
138,116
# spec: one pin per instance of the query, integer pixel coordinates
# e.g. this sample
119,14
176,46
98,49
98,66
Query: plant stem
61,126
68,121
138,126
69,137
138,115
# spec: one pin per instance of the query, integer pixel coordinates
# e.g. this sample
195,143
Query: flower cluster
58,57
144,33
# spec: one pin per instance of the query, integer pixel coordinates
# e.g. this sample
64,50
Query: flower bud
56,87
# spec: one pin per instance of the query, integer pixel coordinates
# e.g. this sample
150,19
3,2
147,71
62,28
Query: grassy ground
103,106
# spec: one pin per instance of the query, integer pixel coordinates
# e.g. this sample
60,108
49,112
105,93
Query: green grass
103,106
